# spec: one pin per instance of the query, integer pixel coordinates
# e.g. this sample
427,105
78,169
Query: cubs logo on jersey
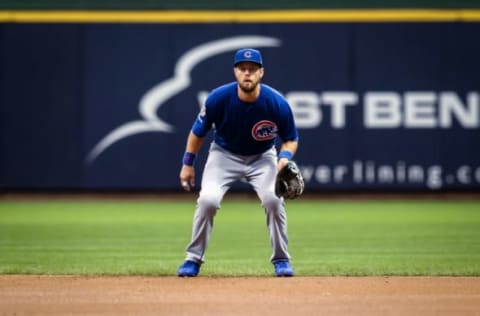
264,130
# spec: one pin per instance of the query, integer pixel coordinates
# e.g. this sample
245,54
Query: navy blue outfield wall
379,106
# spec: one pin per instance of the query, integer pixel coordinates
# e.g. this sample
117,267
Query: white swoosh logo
159,94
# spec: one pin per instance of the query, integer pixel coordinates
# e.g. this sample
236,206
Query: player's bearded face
248,76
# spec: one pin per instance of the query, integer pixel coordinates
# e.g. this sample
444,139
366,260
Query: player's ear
261,73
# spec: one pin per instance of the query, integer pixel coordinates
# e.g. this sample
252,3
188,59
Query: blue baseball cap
248,54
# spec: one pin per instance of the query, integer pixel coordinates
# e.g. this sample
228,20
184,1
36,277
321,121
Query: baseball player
247,116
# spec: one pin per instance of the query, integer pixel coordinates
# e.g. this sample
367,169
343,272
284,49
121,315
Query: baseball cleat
283,268
188,269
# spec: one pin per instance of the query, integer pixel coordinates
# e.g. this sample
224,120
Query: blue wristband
285,154
188,158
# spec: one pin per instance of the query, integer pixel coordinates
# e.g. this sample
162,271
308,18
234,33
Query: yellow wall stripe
254,16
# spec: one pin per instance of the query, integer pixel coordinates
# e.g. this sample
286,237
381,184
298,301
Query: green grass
326,238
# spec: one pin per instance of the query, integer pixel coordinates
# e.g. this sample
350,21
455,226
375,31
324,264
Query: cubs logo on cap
248,54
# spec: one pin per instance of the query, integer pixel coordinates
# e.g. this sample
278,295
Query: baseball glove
289,182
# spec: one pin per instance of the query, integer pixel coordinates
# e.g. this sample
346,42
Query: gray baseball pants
221,170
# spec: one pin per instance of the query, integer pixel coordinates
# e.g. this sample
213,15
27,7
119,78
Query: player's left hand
282,162
289,183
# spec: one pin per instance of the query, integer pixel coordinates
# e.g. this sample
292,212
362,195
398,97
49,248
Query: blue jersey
246,128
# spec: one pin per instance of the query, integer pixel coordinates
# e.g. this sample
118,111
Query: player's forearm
290,146
194,143
287,151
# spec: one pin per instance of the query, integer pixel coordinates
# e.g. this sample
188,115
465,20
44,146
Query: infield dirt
137,295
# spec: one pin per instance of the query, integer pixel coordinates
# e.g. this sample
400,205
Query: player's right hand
187,177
